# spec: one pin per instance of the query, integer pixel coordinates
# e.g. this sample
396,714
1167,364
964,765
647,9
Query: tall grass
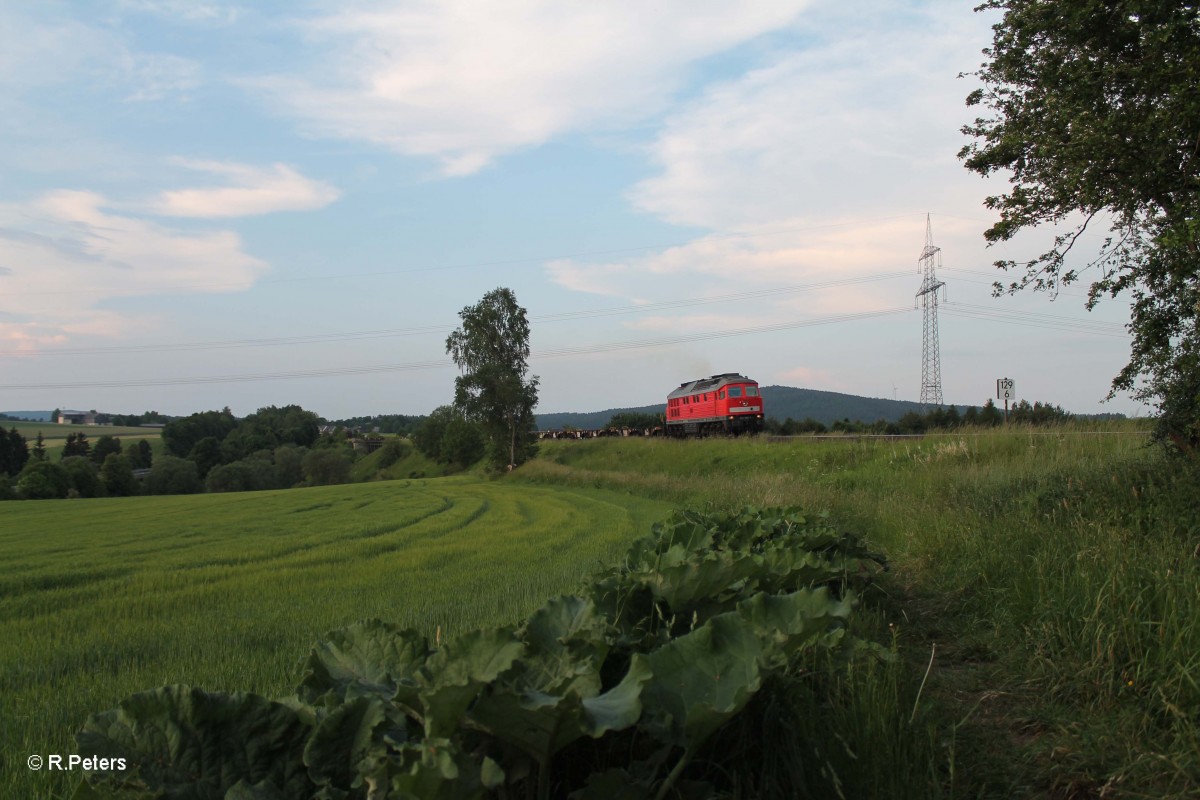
1055,573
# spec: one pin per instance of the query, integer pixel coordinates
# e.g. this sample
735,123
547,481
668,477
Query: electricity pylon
931,358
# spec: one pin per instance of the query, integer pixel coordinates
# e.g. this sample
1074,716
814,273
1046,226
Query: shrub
247,475
83,476
462,443
326,467
392,451
173,475
43,480
117,474
428,437
289,465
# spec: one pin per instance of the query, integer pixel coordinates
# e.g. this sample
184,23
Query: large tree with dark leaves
492,350
1095,118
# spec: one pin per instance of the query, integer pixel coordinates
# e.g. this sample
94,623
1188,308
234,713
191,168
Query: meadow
102,598
1043,601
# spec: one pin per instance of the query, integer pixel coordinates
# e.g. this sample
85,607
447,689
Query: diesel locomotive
721,404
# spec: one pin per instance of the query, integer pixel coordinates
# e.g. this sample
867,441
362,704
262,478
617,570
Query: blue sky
200,198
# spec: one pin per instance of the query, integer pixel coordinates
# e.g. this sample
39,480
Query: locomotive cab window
735,391
721,395
752,391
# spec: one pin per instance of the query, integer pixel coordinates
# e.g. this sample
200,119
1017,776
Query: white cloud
66,255
848,266
856,123
254,190
464,82
156,76
37,54
191,11
817,169
51,49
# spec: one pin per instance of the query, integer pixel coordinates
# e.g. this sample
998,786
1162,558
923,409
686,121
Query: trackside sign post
1005,389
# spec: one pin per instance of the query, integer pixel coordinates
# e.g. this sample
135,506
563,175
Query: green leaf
566,643
541,724
455,675
437,770
621,706
561,622
350,740
538,724
370,657
258,791
490,774
701,680
787,623
180,742
691,582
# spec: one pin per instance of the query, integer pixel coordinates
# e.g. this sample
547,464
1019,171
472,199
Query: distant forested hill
781,402
36,416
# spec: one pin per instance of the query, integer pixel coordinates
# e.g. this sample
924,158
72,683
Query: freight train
721,404
727,404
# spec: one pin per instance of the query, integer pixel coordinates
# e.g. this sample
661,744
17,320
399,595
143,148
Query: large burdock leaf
787,568
565,646
455,675
181,743
562,622
701,680
790,622
540,723
370,657
351,740
436,769
694,581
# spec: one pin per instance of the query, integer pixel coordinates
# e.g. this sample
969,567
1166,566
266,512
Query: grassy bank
1052,576
103,598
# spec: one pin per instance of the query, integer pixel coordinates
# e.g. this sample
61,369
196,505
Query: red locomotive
727,403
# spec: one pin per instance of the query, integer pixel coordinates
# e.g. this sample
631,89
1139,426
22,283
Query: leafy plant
647,661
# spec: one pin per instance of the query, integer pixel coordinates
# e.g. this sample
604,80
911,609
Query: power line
1032,320
442,363
566,316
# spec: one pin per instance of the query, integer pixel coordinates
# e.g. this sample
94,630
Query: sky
208,204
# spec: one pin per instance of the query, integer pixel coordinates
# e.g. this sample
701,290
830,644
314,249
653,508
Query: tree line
940,418
397,424
274,448
84,469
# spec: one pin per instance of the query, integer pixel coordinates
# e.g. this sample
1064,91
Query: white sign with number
1005,389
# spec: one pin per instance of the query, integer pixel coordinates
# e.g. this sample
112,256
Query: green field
1044,599
102,598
